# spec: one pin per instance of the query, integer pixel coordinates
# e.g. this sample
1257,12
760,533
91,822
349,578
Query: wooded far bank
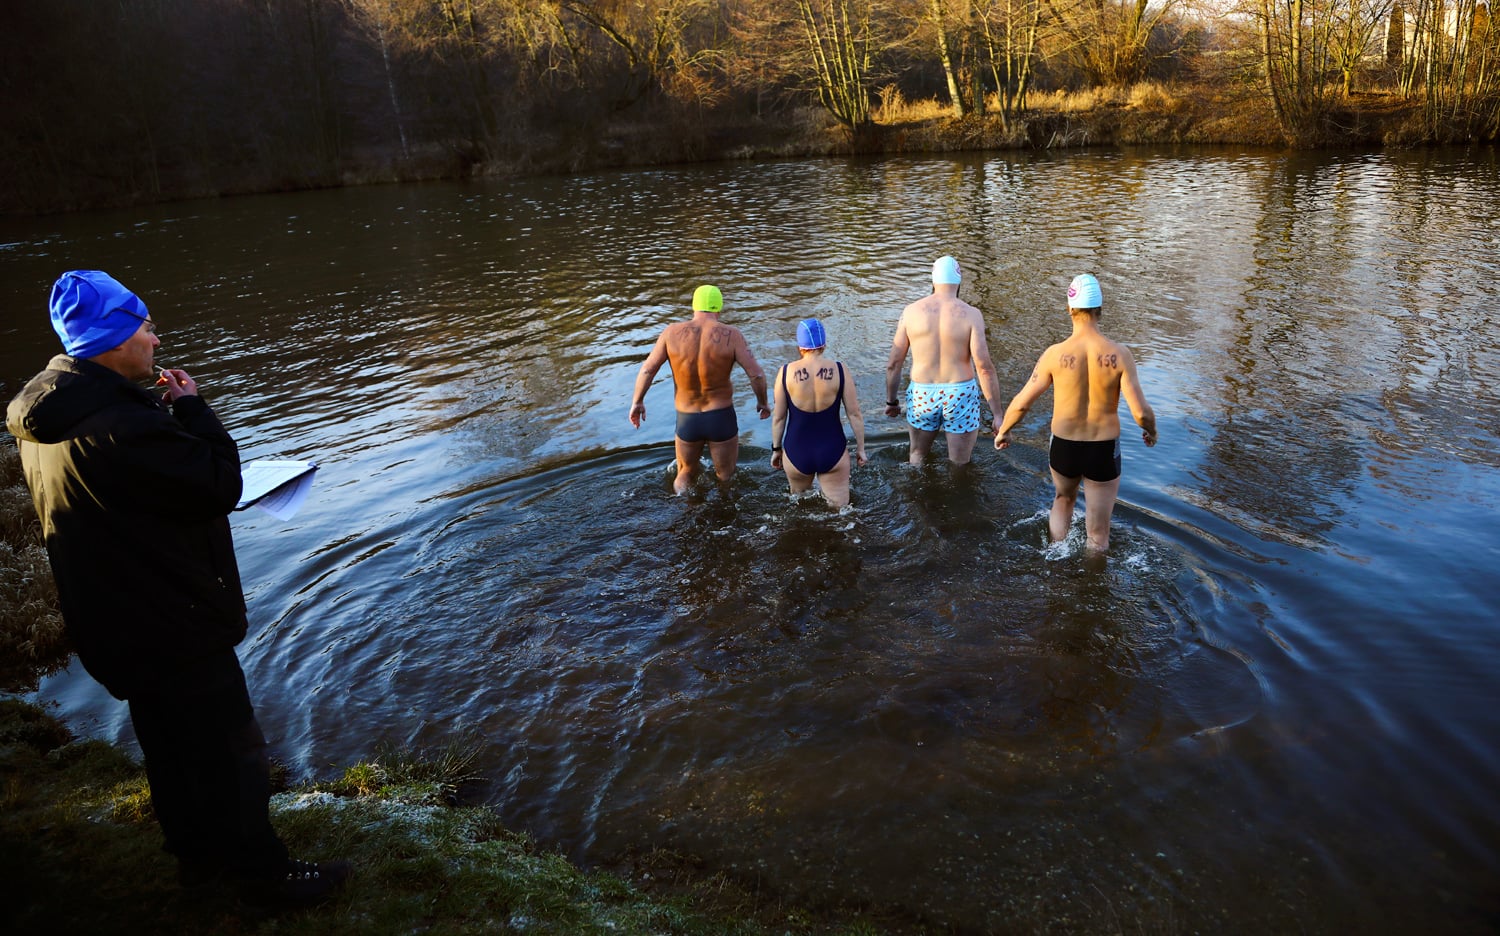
146,100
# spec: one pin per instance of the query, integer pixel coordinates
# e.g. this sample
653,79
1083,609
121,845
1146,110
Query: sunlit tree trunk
373,17
390,84
945,55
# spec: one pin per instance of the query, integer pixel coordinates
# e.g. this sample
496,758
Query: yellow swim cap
707,299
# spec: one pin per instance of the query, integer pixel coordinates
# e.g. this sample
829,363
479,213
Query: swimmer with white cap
950,368
1088,373
702,352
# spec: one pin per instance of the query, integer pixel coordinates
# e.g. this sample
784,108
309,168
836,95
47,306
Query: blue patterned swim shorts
952,407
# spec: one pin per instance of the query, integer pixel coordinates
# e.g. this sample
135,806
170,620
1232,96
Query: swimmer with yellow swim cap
702,352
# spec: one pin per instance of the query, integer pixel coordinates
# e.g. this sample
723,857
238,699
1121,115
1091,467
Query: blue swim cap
810,334
92,313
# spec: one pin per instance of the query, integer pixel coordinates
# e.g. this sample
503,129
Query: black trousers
210,775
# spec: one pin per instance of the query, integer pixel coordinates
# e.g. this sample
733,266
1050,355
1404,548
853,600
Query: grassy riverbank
1147,113
80,851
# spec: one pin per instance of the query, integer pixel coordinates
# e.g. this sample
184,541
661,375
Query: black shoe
194,875
302,884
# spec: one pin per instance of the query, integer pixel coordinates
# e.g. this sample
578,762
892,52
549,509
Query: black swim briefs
718,425
1097,461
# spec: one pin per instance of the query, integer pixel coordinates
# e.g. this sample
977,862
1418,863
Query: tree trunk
945,55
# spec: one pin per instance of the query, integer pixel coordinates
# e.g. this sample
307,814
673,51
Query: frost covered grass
81,853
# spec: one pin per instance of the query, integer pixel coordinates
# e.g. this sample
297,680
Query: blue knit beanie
92,313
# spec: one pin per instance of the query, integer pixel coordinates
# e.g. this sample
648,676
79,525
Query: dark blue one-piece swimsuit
814,442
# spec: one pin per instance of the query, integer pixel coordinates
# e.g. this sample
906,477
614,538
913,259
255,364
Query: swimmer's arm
778,420
746,359
1135,398
649,367
856,418
900,345
1020,405
979,353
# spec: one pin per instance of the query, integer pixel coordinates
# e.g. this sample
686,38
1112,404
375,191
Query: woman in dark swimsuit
807,435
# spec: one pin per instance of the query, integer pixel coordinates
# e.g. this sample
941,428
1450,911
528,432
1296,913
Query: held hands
177,383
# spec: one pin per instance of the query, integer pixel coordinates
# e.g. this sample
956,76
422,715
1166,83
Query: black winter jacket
134,499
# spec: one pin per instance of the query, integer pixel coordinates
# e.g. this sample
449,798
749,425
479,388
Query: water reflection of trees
1285,450
1445,366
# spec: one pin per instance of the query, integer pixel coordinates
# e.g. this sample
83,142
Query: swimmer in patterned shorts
950,366
1088,373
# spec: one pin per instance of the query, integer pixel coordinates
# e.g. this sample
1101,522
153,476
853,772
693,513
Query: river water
1271,708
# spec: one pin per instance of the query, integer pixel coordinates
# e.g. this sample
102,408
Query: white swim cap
945,272
1083,292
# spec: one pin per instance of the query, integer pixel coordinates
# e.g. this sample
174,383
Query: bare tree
1110,38
1011,30
1452,64
375,17
839,44
1356,26
938,17
1295,55
651,37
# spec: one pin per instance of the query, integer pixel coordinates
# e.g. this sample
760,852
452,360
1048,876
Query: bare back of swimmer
1088,373
702,352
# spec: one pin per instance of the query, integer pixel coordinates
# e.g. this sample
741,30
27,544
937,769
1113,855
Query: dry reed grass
894,108
32,642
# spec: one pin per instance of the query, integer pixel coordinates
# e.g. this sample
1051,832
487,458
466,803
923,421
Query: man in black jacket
134,493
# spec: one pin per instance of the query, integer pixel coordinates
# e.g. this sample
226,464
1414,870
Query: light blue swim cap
945,272
1083,292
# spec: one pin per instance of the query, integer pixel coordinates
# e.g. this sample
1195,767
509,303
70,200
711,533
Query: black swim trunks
1097,461
718,425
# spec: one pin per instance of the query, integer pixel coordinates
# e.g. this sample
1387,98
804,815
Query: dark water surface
1271,708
